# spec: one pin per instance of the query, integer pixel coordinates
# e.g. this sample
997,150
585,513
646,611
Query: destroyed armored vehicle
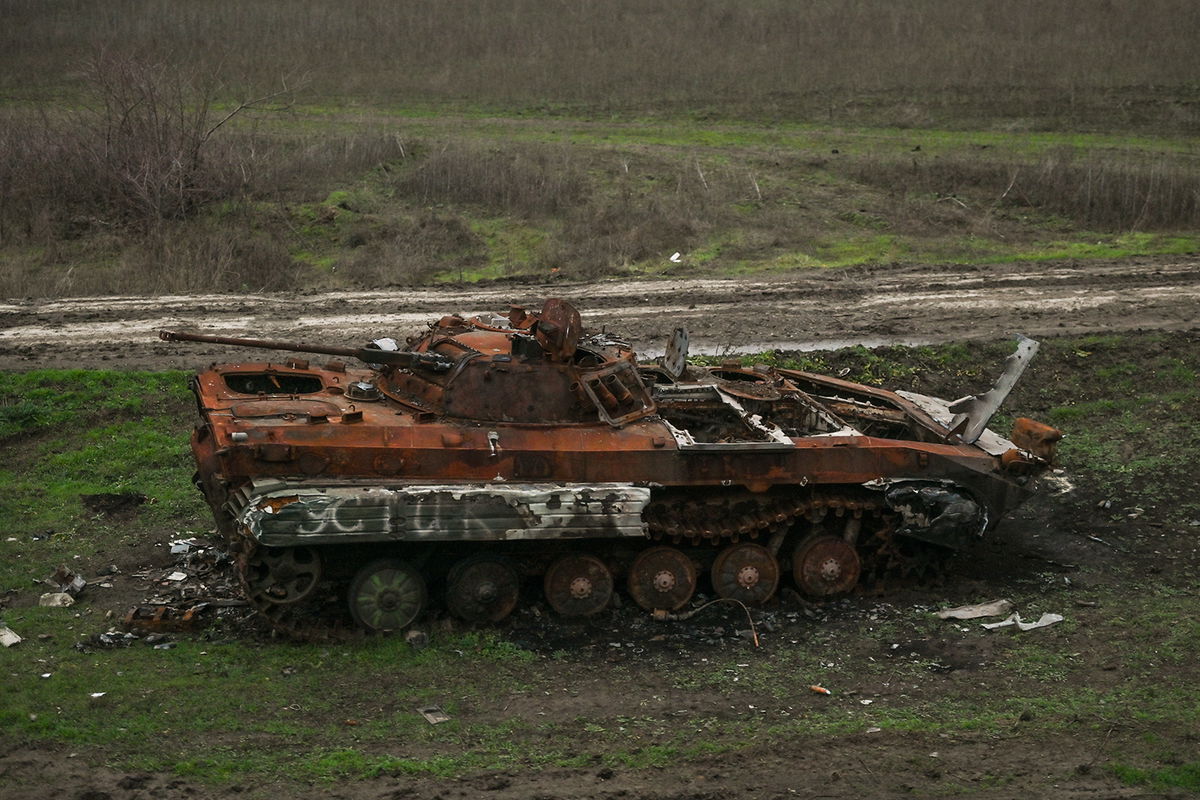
486,454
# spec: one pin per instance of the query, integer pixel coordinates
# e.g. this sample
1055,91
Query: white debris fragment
8,636
676,258
992,609
1058,481
177,576
56,600
1044,621
182,546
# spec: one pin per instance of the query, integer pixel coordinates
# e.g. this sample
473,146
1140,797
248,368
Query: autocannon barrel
369,355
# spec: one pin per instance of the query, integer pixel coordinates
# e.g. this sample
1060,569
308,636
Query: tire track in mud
901,304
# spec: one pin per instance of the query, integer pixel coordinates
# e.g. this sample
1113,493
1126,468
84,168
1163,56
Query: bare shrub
142,149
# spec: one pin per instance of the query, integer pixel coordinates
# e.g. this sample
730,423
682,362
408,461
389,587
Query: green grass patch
1183,776
325,712
69,433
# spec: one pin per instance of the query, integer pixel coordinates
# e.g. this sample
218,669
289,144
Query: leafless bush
145,141
141,150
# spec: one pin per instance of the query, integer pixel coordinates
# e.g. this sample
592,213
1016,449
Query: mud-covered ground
899,304
1070,549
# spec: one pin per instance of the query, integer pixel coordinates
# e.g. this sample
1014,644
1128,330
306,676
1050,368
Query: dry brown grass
410,251
908,62
609,209
1093,192
522,179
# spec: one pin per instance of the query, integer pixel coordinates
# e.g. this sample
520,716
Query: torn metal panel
973,413
674,360
719,416
333,514
988,440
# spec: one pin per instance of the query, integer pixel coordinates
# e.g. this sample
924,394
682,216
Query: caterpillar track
485,461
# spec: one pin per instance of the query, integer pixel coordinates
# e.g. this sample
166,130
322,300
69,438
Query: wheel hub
578,585
830,569
386,595
664,581
280,575
747,577
482,588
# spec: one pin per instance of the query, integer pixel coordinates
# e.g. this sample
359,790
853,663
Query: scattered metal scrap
1043,621
64,580
163,618
434,715
198,581
66,585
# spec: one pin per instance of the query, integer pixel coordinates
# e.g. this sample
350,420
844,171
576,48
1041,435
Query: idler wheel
662,578
825,565
746,572
282,575
578,585
386,595
482,589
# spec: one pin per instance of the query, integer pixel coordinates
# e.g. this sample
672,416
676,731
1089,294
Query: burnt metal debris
486,455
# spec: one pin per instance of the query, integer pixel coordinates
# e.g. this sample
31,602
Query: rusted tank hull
490,452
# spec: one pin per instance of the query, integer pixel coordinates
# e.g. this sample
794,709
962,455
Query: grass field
1120,669
151,147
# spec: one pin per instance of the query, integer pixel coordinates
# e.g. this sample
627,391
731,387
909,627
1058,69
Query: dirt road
898,304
